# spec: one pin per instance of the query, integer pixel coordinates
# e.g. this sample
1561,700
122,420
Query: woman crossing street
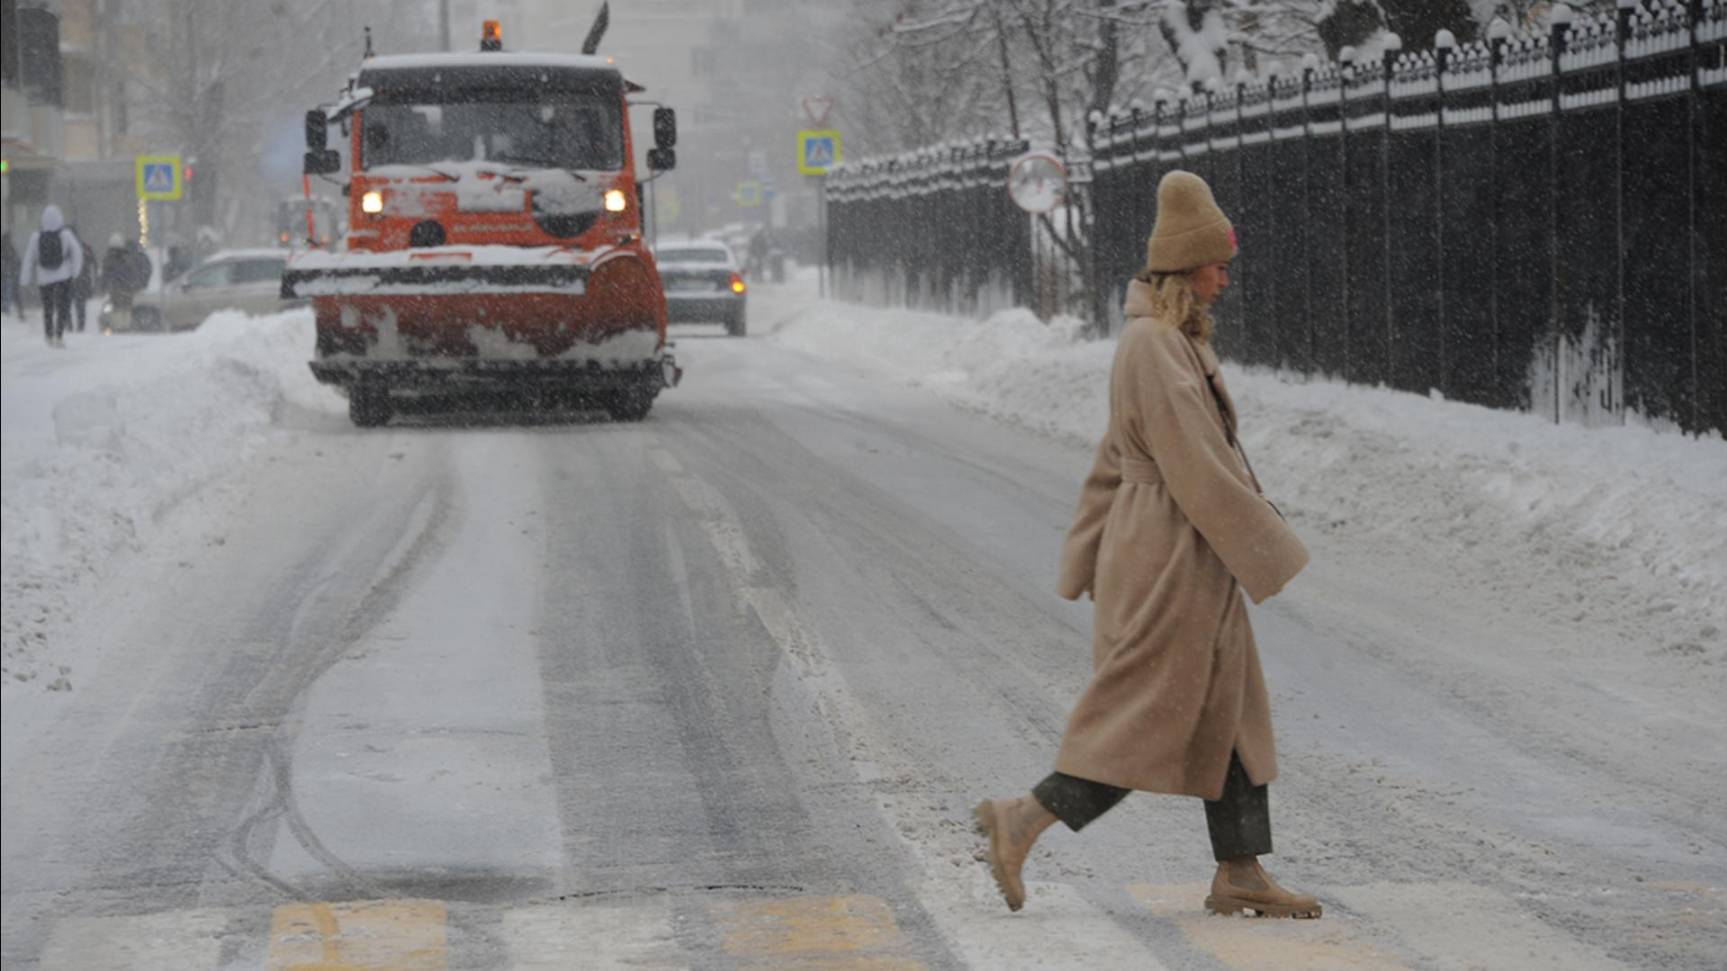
1172,527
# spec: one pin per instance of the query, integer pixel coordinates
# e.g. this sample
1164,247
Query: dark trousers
56,308
1239,820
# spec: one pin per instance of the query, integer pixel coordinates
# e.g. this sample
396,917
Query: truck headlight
372,202
616,201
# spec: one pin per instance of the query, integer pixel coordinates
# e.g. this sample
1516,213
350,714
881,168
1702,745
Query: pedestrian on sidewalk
11,300
84,284
53,259
1172,527
125,271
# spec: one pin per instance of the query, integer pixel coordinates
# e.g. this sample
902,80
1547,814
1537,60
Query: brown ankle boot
1243,884
1011,826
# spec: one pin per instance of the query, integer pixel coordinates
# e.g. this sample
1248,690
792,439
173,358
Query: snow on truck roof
527,59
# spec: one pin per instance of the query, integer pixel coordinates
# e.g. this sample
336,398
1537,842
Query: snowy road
717,691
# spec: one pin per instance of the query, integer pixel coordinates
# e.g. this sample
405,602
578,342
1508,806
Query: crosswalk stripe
1250,944
595,936
1460,926
1057,928
170,941
375,935
855,933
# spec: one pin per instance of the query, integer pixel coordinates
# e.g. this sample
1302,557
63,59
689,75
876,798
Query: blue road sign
157,177
818,151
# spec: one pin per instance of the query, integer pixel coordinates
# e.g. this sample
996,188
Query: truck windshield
568,132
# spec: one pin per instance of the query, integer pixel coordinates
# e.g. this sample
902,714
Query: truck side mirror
665,128
317,131
323,162
662,159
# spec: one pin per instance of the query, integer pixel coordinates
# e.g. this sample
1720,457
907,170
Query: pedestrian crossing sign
818,150
157,177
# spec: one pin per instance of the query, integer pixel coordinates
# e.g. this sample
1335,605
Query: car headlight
372,202
616,201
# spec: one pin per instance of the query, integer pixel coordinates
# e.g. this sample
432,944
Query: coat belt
1141,470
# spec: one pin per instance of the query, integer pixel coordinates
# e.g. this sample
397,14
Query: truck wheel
368,405
737,327
629,406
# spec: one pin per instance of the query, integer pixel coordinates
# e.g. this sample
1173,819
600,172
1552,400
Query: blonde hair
1172,300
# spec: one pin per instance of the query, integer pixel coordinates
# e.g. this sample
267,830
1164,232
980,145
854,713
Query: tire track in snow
1067,931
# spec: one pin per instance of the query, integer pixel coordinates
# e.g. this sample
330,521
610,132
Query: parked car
703,284
247,280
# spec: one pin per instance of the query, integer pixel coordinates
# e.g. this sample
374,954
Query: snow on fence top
1713,26
951,165
1654,44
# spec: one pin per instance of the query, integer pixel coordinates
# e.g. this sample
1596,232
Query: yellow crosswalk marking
818,933
170,941
376,935
1250,944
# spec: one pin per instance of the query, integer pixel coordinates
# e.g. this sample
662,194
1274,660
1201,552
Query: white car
249,280
702,283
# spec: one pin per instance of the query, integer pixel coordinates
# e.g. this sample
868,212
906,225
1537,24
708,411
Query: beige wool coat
1171,529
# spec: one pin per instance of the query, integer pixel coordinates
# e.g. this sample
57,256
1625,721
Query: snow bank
1619,530
103,438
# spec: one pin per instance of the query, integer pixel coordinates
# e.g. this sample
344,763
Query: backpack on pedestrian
50,250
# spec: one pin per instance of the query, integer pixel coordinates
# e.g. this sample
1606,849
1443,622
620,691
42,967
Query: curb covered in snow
104,437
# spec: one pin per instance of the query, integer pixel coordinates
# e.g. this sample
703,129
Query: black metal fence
1532,222
932,228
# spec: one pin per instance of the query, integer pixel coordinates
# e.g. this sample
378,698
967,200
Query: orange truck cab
494,236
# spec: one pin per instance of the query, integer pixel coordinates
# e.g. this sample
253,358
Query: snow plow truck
494,243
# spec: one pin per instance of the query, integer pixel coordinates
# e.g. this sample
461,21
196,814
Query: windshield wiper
545,163
435,171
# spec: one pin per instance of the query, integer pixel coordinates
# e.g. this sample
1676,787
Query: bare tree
935,70
226,68
946,69
921,75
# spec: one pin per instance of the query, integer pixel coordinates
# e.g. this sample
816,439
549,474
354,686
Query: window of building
80,85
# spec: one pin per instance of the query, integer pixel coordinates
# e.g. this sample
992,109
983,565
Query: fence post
1695,10
1180,106
1393,44
1345,75
1561,27
1245,293
1622,33
1498,35
1444,45
1309,61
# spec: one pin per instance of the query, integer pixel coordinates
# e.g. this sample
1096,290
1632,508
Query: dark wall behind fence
1495,222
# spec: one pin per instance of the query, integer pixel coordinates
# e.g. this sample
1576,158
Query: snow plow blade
525,374
432,280
478,314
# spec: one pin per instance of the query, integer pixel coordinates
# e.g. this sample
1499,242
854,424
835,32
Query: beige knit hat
1191,231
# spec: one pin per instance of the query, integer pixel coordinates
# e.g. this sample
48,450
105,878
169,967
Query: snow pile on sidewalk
103,438
1618,530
